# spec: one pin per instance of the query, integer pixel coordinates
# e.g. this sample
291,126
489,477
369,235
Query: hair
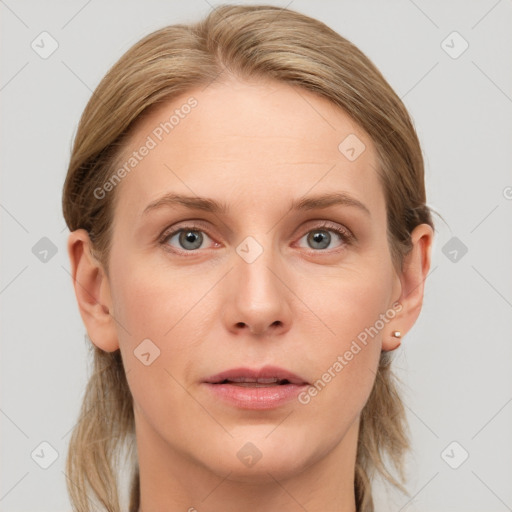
247,42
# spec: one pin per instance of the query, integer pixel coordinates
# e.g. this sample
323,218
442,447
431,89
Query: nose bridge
255,259
258,298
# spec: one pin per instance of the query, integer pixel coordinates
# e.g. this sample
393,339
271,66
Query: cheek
349,303
161,312
151,301
154,311
347,350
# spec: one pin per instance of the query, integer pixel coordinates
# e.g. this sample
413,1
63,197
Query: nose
258,300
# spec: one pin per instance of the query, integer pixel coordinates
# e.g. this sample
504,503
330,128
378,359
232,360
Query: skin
257,146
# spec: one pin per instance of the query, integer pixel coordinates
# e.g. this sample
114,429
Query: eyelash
346,236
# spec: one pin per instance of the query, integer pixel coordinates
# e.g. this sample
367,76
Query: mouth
265,388
258,383
264,377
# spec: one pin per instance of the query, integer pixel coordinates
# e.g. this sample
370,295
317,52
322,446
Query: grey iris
195,238
320,237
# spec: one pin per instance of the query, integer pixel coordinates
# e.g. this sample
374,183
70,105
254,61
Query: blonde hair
248,42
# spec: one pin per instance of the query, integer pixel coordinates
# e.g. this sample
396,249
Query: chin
268,471
259,457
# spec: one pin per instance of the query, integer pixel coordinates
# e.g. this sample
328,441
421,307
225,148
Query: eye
321,237
188,238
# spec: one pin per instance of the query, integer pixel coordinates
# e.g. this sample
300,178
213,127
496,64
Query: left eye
320,238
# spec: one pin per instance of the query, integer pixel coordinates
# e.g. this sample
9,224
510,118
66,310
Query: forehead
254,140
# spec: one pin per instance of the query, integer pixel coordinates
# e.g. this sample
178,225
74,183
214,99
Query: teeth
267,380
253,384
270,380
263,381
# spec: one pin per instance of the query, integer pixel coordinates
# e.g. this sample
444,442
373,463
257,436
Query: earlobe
412,279
92,292
393,342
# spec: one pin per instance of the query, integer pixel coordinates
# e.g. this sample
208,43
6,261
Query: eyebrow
213,206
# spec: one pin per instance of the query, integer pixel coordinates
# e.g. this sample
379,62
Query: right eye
188,238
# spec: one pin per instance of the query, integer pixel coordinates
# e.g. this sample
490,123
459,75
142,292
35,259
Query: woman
249,243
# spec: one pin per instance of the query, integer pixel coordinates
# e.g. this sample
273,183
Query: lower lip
245,397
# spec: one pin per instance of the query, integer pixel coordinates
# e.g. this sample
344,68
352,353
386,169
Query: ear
415,269
92,292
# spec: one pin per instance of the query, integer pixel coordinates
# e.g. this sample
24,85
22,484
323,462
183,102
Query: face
268,280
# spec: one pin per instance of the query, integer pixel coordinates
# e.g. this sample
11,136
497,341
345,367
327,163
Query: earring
396,334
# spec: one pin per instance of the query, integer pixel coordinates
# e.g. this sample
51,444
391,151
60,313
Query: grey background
456,362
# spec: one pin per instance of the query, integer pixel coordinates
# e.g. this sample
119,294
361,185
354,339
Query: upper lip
261,375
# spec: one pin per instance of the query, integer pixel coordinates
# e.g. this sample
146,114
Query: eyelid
327,224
